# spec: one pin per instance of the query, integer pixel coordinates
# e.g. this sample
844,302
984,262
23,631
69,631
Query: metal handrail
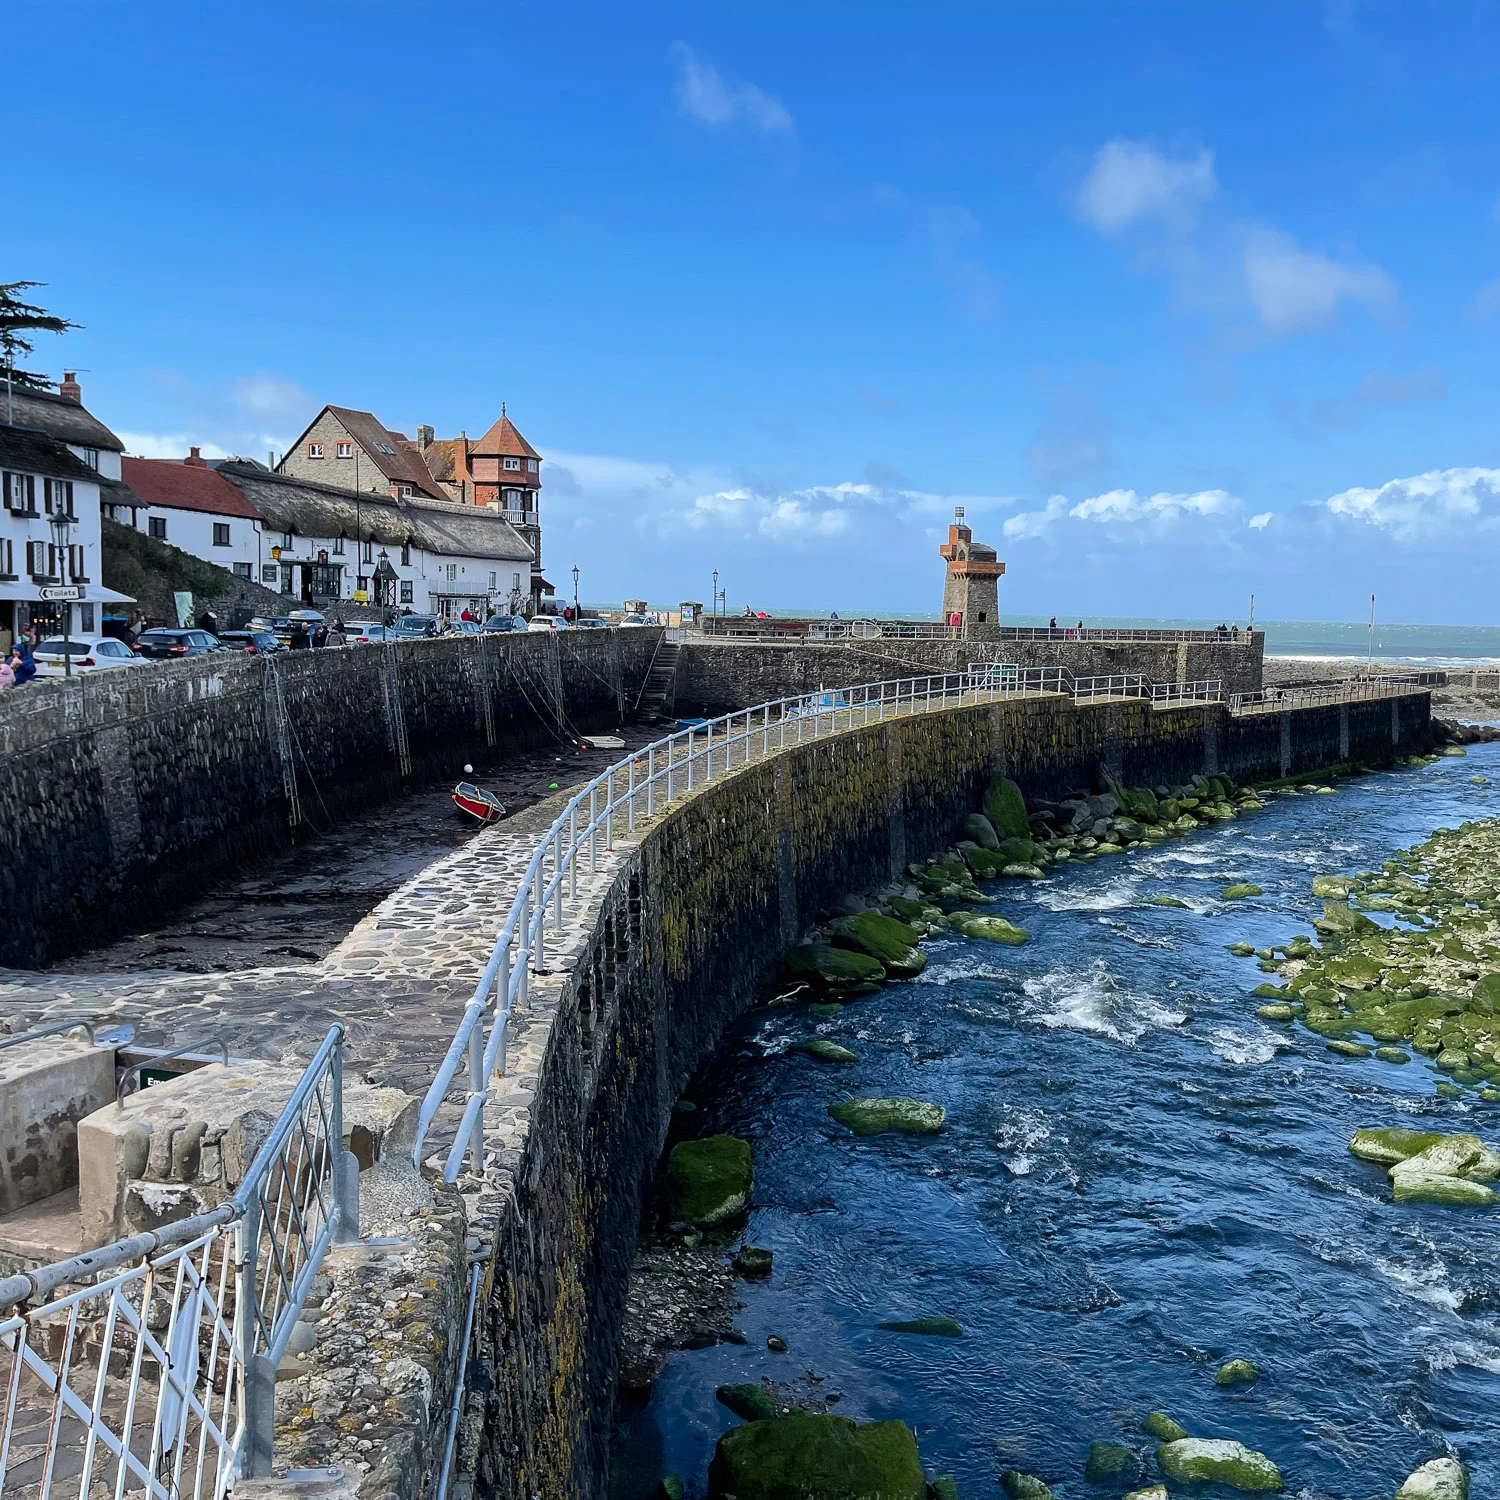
819,629
161,1057
53,1030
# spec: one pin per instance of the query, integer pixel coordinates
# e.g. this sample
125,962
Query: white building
323,545
49,537
187,504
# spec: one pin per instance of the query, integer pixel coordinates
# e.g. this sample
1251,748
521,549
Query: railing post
478,1084
651,779
630,800
593,830
691,732
557,876
671,757
572,854
345,1164
256,1371
609,810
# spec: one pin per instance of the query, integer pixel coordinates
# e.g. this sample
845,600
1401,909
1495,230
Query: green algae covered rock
825,1008
991,929
825,1051
1269,992
1019,1486
882,1116
813,1456
1346,1048
1436,1187
1160,1426
752,1402
1169,901
1220,1461
708,1181
838,968
1275,1012
1459,1155
1239,890
1438,1479
671,1488
1151,1492
1005,807
1340,920
1333,886
945,1488
1241,950
892,943
1386,1147
1392,1055
936,1328
1236,1372
752,1260
981,830
1111,1463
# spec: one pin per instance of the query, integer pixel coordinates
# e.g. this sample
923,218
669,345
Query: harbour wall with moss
701,909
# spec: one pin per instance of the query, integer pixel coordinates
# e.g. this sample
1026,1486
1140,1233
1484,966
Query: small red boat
478,803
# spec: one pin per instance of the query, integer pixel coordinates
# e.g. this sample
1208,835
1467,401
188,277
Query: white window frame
343,450
7,558
512,465
452,572
20,492
531,466
315,450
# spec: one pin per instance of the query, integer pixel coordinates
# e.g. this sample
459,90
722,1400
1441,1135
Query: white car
635,621
89,653
549,622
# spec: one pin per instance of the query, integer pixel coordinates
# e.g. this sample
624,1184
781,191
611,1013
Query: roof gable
62,418
34,452
503,440
392,454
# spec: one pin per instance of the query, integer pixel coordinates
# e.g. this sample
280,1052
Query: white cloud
268,398
703,95
1029,525
1261,521
1292,289
167,445
1130,180
1440,503
1139,516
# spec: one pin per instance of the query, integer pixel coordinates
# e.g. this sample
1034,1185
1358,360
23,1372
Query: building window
269,572
76,573
36,559
531,466
221,533
513,465
7,559
369,552
242,570
338,546
406,554
492,583
90,456
406,591
407,492
286,541
344,450
315,450
20,492
58,496
157,526
452,571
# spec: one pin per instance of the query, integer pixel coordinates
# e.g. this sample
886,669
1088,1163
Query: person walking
22,665
300,641
320,635
338,636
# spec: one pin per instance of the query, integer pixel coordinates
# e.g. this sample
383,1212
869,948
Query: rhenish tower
971,588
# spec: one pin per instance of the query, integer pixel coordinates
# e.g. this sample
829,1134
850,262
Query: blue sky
1180,301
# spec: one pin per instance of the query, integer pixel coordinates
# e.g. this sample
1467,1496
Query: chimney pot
195,459
70,387
424,437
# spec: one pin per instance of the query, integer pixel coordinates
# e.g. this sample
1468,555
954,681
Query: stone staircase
660,690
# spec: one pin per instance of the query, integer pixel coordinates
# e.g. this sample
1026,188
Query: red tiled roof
178,486
503,439
403,464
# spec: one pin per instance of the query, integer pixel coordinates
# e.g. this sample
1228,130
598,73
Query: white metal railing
842,630
153,1366
1208,690
1350,691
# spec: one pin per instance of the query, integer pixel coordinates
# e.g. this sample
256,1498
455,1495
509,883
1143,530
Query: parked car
466,627
549,622
593,625
254,642
505,622
635,621
410,627
362,634
89,653
161,644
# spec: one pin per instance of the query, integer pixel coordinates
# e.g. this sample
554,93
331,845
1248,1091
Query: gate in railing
153,1367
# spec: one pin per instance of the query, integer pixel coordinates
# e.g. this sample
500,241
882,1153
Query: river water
1137,1179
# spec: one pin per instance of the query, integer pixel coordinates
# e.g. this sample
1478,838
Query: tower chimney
424,438
70,388
195,459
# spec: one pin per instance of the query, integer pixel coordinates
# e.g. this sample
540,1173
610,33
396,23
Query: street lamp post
62,528
575,593
713,598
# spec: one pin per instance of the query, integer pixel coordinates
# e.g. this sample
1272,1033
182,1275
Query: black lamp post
575,588
62,528
713,598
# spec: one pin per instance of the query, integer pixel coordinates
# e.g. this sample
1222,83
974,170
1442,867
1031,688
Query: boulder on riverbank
813,1456
890,942
1019,1486
1111,1463
1159,1425
991,929
708,1180
1218,1461
1005,808
825,1051
1236,1372
1240,890
935,1328
888,1115
752,1402
841,970
1439,1479
979,828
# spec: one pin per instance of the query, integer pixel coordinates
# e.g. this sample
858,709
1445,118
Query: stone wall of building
125,789
689,933
715,676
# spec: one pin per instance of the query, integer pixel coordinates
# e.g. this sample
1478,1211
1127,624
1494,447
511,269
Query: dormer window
513,465
315,450
90,456
344,450
531,466
338,546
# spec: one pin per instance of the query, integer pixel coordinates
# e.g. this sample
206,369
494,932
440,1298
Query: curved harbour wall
692,925
138,786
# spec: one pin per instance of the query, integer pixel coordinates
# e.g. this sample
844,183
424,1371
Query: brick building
354,450
971,584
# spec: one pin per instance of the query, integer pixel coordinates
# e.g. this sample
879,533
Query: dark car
505,622
168,645
251,641
418,626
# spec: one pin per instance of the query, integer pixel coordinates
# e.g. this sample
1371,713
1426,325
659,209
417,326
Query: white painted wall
193,531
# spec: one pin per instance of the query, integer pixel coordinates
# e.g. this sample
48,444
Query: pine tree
17,319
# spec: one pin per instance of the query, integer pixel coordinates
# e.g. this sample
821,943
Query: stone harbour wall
716,676
140,785
697,912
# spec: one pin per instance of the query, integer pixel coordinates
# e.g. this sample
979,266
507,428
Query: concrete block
46,1087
